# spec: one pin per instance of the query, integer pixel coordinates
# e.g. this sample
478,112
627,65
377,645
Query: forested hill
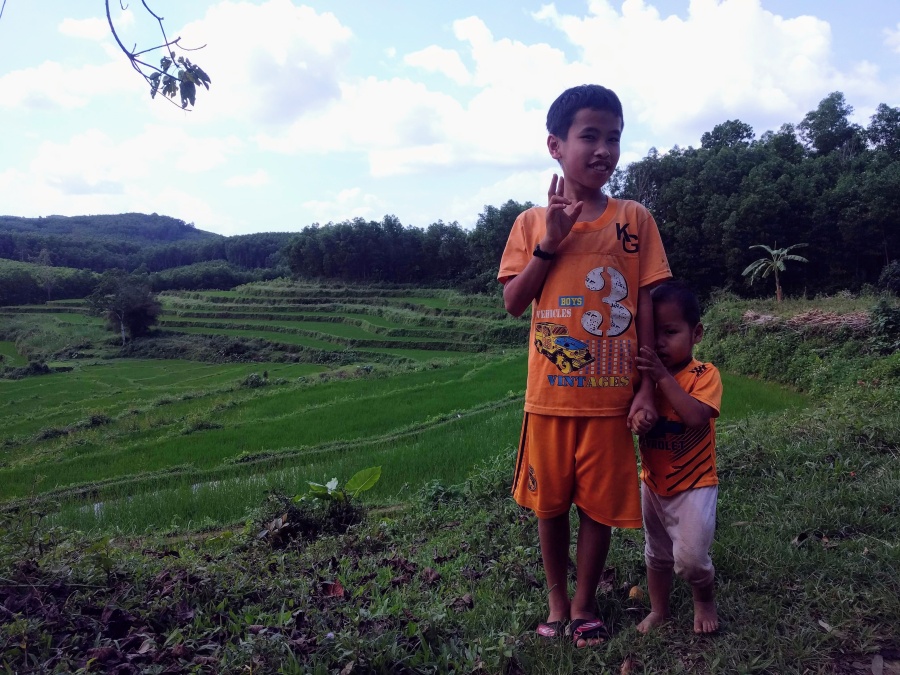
132,242
138,228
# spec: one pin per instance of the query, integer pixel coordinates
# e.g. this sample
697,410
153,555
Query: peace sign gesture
561,213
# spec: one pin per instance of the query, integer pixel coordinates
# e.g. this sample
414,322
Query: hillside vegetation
448,577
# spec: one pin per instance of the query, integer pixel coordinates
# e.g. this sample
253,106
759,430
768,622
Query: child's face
589,154
675,339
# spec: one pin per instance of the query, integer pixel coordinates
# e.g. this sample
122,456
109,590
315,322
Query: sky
329,110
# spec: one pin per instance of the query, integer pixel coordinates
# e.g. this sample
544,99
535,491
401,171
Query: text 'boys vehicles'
553,341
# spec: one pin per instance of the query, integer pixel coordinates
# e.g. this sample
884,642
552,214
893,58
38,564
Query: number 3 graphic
619,317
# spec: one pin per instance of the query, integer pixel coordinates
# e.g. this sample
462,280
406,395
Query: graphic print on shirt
608,359
619,317
691,453
553,341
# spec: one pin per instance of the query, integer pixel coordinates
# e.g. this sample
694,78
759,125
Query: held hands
640,422
561,213
642,416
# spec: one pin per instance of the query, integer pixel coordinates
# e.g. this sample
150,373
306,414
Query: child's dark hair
681,294
563,110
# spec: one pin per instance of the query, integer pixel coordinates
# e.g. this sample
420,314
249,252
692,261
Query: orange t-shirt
583,331
674,457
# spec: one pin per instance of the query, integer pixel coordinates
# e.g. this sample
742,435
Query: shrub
885,327
889,279
33,368
254,380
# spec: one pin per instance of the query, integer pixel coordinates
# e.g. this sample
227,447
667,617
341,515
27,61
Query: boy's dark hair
681,294
563,110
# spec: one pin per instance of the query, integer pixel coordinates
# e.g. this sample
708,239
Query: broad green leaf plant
773,264
359,482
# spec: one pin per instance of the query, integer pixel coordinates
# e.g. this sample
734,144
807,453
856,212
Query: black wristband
543,255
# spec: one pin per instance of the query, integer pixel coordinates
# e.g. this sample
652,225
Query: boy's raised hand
648,363
561,213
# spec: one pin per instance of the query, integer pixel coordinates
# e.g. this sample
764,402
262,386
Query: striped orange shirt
674,457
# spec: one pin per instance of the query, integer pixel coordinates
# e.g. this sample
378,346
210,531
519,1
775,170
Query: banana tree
773,264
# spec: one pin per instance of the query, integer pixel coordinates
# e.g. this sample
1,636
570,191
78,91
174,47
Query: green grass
445,449
806,554
445,574
340,331
270,421
206,494
742,396
10,356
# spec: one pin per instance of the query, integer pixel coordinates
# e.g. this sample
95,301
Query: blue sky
328,110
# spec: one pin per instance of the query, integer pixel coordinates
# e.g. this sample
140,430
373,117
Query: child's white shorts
678,532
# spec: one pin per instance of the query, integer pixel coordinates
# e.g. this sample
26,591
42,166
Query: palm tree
774,263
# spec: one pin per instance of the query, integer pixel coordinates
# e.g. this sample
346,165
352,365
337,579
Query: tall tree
727,135
883,132
127,303
487,241
44,272
828,127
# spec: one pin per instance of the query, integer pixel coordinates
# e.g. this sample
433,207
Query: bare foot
706,619
651,621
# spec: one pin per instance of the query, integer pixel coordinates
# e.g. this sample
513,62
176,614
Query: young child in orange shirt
678,459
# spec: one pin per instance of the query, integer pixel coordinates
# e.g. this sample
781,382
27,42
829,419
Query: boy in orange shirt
585,264
678,459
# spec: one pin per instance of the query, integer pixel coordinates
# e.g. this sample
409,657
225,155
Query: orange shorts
586,461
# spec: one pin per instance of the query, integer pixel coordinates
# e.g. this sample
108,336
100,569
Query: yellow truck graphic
553,341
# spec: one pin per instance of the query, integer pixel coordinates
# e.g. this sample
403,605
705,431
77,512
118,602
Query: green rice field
418,384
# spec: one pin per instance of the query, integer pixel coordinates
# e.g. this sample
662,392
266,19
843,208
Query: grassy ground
10,356
807,554
449,580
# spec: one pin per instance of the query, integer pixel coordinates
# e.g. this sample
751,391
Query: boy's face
590,152
675,339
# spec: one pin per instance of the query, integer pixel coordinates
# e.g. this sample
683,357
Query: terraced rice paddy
314,382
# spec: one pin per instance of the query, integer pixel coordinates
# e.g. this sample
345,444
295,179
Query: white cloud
345,205
270,62
69,196
92,172
728,58
371,114
255,179
96,28
94,158
91,29
892,38
404,126
521,186
436,59
52,85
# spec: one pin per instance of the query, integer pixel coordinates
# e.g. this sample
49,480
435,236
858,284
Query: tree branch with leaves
182,81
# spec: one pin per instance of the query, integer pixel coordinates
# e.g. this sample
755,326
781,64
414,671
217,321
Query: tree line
825,182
